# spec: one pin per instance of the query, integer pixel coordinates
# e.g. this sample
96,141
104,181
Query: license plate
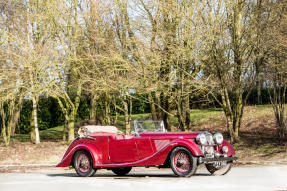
220,163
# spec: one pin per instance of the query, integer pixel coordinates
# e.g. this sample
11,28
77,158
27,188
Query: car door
122,150
144,147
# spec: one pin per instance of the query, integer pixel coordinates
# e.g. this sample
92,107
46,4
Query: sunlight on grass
51,134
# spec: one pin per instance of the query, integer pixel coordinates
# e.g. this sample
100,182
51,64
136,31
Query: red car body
110,150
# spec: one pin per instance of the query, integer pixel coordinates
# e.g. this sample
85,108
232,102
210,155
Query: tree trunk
72,115
259,59
229,125
32,131
258,64
3,133
107,115
115,119
65,130
157,100
3,121
165,114
237,114
152,106
233,116
187,115
236,127
166,120
7,120
16,115
233,122
278,99
180,114
70,110
11,108
127,118
35,136
130,109
258,88
93,107
71,127
237,105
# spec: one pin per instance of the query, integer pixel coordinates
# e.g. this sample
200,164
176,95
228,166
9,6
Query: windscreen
148,126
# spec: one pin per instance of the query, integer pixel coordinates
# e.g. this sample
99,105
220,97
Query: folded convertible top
88,130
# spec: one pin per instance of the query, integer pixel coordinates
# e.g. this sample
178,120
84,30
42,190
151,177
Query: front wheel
121,171
219,170
182,162
83,164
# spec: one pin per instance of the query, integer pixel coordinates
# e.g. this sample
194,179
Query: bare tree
229,57
275,68
29,49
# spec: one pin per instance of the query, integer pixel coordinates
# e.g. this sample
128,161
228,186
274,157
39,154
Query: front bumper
207,160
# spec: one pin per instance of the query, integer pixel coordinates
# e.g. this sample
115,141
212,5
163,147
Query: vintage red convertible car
104,147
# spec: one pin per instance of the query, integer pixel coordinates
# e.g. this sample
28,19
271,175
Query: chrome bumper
203,159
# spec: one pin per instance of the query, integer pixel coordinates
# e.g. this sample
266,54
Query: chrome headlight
218,138
201,139
209,138
224,149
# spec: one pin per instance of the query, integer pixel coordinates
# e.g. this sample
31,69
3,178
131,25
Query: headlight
201,139
209,138
224,149
218,138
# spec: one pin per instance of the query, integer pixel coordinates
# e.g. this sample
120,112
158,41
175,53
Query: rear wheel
83,164
219,170
182,162
122,171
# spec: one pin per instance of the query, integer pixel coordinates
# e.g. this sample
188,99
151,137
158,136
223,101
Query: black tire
122,171
186,165
219,171
83,164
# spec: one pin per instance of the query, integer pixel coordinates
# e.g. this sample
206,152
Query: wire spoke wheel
182,162
83,164
219,170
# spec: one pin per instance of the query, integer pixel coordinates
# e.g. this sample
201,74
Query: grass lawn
258,140
51,134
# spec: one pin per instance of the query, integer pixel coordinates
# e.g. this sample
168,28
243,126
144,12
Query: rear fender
92,149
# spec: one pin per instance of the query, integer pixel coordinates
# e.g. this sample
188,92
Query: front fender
231,151
193,147
92,149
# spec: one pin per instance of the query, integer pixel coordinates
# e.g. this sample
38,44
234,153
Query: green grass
51,134
201,114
